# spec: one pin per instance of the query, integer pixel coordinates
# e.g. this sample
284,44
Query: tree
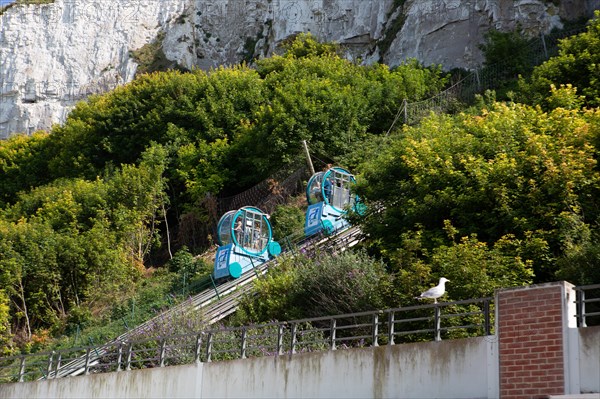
305,45
217,125
137,202
514,170
30,275
506,51
287,220
72,241
577,64
117,127
5,349
476,270
23,164
328,101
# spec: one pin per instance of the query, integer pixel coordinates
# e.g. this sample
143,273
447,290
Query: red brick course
530,332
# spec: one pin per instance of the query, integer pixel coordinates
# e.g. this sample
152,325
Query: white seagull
436,291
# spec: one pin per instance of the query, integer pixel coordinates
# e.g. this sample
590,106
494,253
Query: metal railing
588,305
445,320
439,321
211,305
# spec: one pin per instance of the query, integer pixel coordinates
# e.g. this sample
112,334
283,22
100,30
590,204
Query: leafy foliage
188,270
476,270
303,287
329,102
484,199
513,171
5,344
71,241
508,50
305,45
217,125
22,164
577,64
287,220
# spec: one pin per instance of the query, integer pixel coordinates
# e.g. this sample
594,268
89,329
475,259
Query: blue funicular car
245,240
329,199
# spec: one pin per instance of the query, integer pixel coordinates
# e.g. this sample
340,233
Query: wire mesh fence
272,191
487,77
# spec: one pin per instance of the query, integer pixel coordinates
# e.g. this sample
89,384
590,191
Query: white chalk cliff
53,55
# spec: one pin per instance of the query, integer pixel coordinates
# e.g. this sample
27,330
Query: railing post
163,346
57,367
580,298
119,355
254,268
244,343
405,104
293,340
290,246
437,323
280,339
22,369
375,329
129,354
391,328
332,328
214,286
87,361
49,369
486,316
209,341
197,348
544,45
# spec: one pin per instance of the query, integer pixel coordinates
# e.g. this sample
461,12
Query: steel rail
214,303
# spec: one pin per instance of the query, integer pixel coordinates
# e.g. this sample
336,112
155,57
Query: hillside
500,193
55,53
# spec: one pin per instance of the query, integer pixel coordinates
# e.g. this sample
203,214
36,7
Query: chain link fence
275,190
484,78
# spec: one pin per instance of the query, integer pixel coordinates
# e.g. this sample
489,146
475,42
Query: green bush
513,170
303,287
577,64
507,51
287,221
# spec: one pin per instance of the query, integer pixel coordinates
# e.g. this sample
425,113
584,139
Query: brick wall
531,341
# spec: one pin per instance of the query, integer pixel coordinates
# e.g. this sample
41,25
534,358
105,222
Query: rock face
53,55
452,30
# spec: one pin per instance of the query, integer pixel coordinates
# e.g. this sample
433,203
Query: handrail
362,329
581,300
443,320
215,305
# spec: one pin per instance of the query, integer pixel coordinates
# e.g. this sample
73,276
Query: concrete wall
537,352
589,359
465,368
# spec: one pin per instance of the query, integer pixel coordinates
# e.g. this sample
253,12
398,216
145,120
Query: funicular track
215,303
